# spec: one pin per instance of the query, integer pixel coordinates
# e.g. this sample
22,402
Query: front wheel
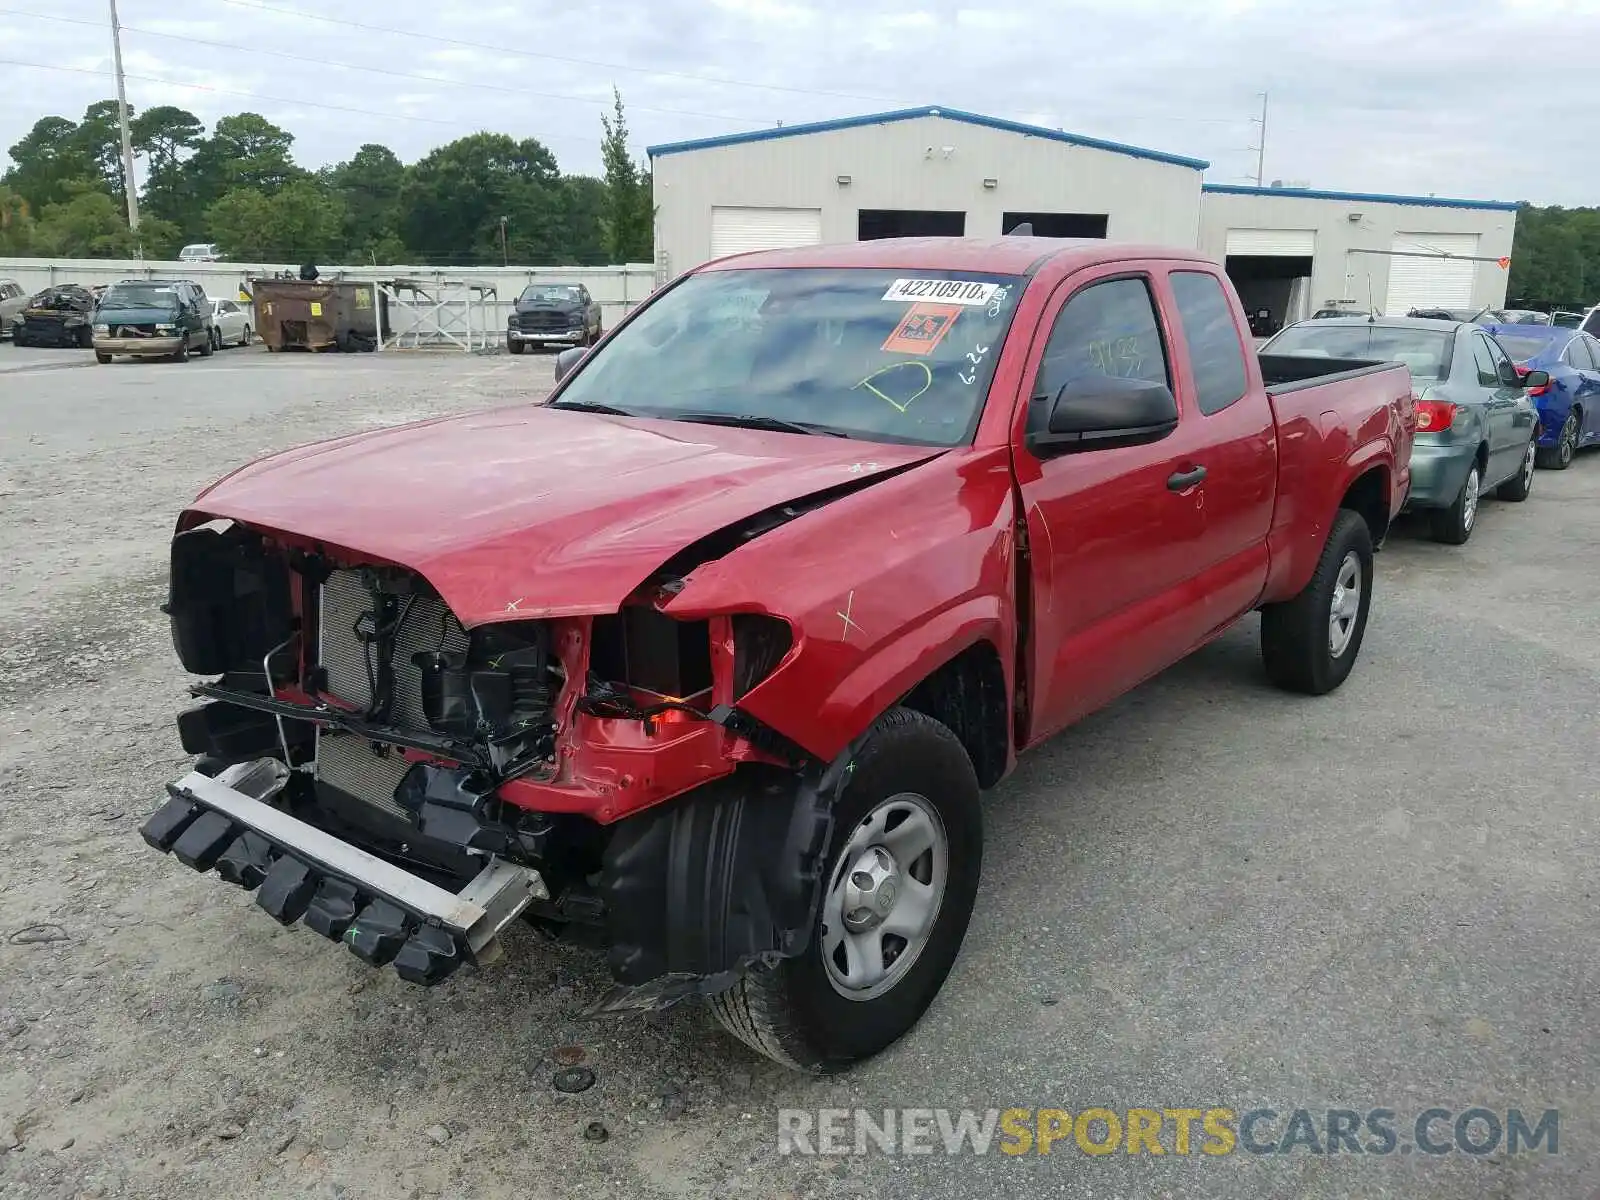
514,346
181,354
1516,488
210,348
897,895
101,357
1310,642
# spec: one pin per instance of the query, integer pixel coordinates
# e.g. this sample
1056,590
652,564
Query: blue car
1569,405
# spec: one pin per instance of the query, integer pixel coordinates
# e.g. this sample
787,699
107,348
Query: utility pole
128,184
505,258
1261,144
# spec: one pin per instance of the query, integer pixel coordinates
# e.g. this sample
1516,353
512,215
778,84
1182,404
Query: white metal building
920,171
1292,251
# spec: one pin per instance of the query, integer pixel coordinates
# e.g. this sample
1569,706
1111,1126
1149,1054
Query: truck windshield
883,355
558,293
1425,352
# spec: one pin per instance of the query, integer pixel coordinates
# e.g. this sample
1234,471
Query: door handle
1182,481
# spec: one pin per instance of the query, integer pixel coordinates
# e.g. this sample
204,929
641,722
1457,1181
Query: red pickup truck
707,657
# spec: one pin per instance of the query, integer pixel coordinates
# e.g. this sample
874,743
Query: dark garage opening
875,223
1058,225
1268,288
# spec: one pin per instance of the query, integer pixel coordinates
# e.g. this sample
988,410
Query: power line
344,66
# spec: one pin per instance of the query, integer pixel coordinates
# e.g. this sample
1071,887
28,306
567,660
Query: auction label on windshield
941,291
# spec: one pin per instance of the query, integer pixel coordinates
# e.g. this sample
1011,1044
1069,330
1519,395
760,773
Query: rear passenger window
1487,376
1215,353
1578,354
1107,329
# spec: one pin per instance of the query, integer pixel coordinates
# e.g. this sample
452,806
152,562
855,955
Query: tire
795,1012
1310,642
101,357
210,347
1559,457
85,338
1454,525
515,347
246,337
181,354
1516,488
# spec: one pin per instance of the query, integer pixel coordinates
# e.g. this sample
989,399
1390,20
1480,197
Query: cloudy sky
1455,99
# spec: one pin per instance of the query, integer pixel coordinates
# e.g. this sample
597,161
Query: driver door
1113,535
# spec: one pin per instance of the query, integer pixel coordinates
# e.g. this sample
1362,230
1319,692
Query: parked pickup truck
708,656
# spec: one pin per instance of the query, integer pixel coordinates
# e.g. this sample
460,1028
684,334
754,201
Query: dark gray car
1475,422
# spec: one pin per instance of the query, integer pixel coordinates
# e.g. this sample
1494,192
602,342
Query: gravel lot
1209,895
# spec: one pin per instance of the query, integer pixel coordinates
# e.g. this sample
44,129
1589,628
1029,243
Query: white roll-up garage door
1421,276
736,230
1275,243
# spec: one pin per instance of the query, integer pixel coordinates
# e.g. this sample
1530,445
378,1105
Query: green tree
16,222
301,223
165,135
248,151
162,134
583,235
98,139
628,217
49,165
369,186
1555,258
90,225
454,199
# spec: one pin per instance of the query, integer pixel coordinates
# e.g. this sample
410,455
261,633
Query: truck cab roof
1004,255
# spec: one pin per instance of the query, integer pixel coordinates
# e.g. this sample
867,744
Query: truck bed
1291,372
1332,414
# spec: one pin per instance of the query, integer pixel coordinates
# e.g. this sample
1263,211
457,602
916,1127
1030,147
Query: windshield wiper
748,421
610,410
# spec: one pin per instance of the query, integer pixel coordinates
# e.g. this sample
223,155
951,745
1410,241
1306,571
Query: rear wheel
246,337
1559,456
85,338
1519,485
897,896
1454,525
1309,643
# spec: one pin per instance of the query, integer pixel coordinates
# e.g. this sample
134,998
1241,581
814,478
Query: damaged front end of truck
370,766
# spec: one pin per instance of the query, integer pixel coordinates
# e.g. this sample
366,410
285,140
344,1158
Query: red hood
531,511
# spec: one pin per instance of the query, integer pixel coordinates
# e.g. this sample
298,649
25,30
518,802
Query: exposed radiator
427,625
350,763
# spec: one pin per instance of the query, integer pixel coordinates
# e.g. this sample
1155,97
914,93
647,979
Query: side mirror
1535,379
568,359
1099,412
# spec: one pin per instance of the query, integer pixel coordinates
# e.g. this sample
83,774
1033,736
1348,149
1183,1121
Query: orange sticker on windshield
922,328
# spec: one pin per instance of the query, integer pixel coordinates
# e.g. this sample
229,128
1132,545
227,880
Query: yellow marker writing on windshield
900,405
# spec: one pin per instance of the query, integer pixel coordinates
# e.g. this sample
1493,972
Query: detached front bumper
565,337
142,346
381,912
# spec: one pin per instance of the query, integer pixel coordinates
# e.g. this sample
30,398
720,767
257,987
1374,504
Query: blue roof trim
908,114
1234,189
